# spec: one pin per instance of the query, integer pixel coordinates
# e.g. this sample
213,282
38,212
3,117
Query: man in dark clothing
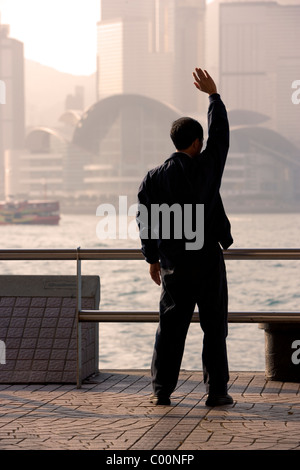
191,273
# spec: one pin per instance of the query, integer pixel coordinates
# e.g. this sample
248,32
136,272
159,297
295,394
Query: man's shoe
160,400
219,400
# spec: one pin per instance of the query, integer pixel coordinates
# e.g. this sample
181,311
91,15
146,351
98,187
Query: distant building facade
12,113
150,47
75,101
252,49
262,171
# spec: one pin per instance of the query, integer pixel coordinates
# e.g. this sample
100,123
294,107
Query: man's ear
197,145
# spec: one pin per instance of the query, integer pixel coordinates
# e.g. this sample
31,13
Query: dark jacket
185,180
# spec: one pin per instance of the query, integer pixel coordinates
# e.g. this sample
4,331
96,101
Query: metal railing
152,316
80,255
136,254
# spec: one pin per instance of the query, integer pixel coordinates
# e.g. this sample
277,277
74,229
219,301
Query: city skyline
107,146
53,54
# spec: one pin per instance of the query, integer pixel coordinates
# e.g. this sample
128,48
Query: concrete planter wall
282,351
38,329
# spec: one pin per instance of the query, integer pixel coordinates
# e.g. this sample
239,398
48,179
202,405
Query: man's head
187,135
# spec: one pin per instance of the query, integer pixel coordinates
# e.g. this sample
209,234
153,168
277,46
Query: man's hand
155,272
204,82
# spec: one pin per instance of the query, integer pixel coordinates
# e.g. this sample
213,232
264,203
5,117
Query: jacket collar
178,154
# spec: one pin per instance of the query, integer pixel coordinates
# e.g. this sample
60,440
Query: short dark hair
184,131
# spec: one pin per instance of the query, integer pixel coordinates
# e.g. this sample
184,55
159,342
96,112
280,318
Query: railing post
78,309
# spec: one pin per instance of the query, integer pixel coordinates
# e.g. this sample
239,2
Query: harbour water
126,285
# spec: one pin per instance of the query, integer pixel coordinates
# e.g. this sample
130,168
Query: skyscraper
150,47
252,48
12,113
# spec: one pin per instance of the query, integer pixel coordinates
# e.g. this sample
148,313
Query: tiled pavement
112,412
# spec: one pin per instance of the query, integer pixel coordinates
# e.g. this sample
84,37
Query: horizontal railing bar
105,316
136,254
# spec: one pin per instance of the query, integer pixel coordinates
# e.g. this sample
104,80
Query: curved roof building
125,135
71,117
122,137
136,112
44,140
242,117
262,167
244,139
118,139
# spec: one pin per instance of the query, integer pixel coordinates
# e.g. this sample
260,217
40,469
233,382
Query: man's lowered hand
155,272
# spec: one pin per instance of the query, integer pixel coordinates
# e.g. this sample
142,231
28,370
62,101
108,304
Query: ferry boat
29,212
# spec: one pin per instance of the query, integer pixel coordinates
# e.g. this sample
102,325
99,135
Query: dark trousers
202,283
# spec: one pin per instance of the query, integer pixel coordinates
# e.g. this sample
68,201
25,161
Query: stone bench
282,335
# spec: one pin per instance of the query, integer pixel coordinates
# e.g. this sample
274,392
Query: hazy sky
58,33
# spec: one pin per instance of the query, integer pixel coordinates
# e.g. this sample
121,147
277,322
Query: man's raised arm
218,127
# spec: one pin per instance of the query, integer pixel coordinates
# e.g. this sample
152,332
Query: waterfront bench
282,335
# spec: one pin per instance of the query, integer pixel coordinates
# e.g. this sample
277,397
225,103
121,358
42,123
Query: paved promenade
112,412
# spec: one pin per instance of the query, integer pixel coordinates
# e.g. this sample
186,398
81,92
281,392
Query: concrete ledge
282,351
38,329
